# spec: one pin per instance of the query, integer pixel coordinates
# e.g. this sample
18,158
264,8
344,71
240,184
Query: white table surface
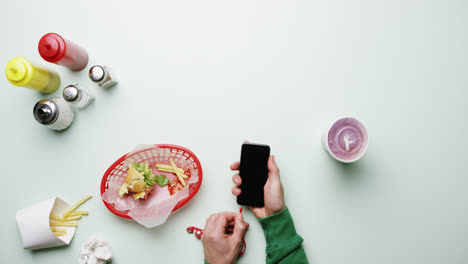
207,75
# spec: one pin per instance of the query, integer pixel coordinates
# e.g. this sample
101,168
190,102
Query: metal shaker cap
71,93
45,112
97,73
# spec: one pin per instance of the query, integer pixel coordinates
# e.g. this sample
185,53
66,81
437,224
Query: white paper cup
33,223
339,152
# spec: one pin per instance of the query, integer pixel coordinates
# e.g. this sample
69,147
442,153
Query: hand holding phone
272,191
254,174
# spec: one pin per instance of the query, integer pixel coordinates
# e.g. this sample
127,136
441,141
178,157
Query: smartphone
253,171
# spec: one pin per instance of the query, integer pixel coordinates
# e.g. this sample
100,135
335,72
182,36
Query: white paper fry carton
33,223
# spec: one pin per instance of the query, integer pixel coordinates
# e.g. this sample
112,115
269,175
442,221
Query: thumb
273,170
240,227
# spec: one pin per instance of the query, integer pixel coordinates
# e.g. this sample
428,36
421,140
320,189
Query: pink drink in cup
346,140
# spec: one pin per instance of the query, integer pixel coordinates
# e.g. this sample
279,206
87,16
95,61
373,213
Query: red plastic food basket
118,169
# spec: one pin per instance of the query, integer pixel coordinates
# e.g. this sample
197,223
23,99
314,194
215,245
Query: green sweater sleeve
283,243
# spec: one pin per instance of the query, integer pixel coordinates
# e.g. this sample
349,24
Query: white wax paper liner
156,209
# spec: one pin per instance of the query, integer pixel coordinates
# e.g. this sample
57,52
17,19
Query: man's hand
273,190
220,247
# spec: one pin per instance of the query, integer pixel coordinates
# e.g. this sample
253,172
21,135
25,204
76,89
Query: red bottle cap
52,47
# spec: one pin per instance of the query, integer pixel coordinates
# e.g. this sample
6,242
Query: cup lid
17,70
45,112
51,47
96,73
71,93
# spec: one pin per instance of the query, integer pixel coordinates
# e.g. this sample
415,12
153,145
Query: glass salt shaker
54,113
78,96
103,76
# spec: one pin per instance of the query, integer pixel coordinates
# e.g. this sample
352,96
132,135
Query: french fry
181,179
172,170
59,223
55,217
75,213
73,208
59,233
57,229
168,168
70,218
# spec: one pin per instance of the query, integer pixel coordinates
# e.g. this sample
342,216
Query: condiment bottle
77,96
56,49
102,76
54,113
21,72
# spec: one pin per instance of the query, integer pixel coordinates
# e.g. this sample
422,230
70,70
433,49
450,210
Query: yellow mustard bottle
21,72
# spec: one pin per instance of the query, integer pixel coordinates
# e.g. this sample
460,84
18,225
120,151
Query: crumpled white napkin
95,251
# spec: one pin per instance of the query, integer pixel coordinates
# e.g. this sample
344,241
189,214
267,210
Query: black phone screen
254,174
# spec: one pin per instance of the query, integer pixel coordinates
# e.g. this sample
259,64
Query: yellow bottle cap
18,71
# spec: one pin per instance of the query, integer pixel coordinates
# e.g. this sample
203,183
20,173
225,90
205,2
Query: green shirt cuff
279,229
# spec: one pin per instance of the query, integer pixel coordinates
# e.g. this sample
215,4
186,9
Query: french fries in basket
179,172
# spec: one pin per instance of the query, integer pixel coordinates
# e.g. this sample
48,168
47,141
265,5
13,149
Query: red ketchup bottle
53,48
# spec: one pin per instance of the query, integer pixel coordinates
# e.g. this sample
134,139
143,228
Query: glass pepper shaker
78,96
103,76
54,113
